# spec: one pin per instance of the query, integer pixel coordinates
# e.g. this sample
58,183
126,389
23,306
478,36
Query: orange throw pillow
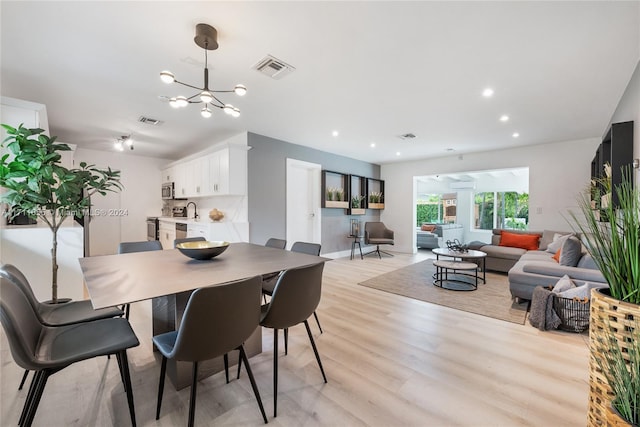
524,241
557,255
426,227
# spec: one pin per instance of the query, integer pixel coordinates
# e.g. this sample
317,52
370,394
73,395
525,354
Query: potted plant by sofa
36,184
611,233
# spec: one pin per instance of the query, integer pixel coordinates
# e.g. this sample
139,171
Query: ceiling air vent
273,67
407,136
149,121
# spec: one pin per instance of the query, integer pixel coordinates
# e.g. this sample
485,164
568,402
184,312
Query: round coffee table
471,255
456,268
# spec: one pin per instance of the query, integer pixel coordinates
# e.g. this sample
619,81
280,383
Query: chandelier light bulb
206,113
228,108
128,141
167,77
235,112
118,145
206,97
240,90
173,102
181,101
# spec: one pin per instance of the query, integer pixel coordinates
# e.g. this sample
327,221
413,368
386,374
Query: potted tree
36,184
611,232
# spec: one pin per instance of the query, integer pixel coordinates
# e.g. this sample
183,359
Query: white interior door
303,202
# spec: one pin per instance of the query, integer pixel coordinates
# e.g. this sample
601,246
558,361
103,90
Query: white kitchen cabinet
167,233
228,171
198,230
220,173
168,175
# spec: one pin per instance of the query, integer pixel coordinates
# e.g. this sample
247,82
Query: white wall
558,172
140,198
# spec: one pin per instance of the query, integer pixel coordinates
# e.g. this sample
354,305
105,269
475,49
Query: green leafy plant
612,233
37,184
621,367
356,201
375,197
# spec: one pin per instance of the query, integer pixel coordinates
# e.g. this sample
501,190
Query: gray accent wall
267,191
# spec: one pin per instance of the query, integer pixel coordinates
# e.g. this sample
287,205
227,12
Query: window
509,210
436,208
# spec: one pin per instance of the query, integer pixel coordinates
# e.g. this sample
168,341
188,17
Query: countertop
184,220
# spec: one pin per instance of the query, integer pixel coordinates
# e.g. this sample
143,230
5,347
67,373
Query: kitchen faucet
195,209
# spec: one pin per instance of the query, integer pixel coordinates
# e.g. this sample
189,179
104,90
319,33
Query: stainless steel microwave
168,191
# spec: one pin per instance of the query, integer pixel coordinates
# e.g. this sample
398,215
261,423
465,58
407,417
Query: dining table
167,278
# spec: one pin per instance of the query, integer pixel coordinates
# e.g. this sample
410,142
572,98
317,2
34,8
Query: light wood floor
389,360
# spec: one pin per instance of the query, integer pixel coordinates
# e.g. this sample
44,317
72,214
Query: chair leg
226,366
24,378
317,321
118,358
192,402
30,394
275,372
243,356
127,385
315,350
286,341
163,370
33,405
239,364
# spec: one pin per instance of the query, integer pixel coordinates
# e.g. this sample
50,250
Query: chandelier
207,38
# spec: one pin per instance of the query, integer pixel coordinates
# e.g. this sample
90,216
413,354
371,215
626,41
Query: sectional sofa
528,268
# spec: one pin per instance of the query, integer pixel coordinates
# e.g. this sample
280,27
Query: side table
356,241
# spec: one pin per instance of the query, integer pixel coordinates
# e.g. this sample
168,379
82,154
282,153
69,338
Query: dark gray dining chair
176,242
63,314
47,350
268,285
217,320
295,297
276,243
376,233
143,246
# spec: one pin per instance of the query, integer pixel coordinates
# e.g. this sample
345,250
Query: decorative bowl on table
202,249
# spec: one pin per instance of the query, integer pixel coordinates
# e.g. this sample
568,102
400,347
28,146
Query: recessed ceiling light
397,153
515,134
335,133
372,145
504,118
487,93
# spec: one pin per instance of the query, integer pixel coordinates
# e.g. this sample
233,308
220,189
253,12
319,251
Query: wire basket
574,313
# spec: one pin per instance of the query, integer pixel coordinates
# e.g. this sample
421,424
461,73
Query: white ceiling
371,70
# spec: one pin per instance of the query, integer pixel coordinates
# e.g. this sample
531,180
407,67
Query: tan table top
125,278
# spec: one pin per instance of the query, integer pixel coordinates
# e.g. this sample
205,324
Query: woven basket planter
609,316
614,419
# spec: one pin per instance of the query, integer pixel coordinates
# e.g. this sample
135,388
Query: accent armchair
376,233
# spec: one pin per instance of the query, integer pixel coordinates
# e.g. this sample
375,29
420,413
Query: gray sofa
530,268
439,236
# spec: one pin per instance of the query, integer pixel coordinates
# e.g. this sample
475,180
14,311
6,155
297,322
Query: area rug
491,299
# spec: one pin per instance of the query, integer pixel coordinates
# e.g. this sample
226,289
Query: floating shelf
375,193
335,190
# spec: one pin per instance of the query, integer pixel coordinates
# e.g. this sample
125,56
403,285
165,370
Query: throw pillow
558,240
557,255
523,241
427,227
577,292
587,262
565,283
571,252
